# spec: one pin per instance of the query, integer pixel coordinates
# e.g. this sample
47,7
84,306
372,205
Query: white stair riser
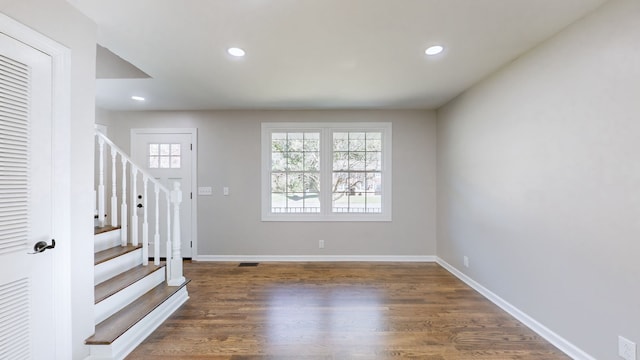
106,240
124,297
113,267
126,343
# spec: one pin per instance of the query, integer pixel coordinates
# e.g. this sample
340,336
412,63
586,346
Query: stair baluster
123,209
134,206
145,223
114,196
101,211
168,253
156,236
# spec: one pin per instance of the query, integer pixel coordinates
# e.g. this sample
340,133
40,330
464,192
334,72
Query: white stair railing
173,198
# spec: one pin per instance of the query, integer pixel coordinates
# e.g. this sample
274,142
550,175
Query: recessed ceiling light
137,98
434,50
237,52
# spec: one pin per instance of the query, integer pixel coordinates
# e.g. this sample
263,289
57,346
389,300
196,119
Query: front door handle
41,246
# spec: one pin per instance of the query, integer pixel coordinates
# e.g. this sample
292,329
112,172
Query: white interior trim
316,258
61,140
194,173
558,341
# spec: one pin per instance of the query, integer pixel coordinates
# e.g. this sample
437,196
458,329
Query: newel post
176,277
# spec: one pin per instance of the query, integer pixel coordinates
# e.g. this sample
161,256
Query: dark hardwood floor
338,311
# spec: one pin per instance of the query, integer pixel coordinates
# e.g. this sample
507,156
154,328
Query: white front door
26,198
168,157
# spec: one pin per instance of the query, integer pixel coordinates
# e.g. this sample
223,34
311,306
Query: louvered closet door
26,282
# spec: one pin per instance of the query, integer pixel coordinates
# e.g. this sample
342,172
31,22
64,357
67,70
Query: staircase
133,296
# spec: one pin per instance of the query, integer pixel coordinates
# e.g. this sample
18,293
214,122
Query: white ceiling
315,54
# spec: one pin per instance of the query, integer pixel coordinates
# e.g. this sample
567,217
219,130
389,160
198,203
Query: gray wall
539,181
229,155
61,22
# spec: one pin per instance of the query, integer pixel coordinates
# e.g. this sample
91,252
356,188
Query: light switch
205,190
225,191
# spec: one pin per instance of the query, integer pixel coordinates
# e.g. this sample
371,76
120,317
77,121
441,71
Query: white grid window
295,172
357,172
164,156
326,171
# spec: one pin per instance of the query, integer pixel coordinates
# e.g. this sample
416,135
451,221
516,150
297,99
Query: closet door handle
42,246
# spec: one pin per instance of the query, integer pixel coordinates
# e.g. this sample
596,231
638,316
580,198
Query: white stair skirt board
115,266
124,297
106,240
126,343
558,341
316,258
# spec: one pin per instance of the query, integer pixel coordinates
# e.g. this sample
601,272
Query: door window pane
164,156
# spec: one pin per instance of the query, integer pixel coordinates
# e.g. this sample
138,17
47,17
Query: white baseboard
558,341
316,258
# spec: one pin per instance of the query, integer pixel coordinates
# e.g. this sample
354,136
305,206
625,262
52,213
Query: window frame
326,131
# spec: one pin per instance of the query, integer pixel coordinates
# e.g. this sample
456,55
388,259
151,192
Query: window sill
330,218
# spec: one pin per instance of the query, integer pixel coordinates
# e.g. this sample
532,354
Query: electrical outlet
320,244
466,261
626,349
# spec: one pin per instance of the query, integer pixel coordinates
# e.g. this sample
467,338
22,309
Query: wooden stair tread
119,282
114,252
99,230
116,325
